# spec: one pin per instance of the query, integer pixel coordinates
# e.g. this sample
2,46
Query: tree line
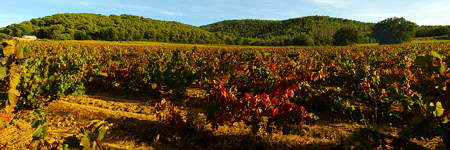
312,30
111,28
431,31
308,31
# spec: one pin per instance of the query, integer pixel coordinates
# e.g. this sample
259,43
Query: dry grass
133,125
18,135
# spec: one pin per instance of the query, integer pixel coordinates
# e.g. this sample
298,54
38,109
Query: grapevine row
245,84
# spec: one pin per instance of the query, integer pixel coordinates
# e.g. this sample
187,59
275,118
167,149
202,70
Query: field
139,95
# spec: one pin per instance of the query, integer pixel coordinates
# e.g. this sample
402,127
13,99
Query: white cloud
124,6
171,13
378,15
333,3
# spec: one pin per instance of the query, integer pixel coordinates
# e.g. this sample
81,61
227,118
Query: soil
133,125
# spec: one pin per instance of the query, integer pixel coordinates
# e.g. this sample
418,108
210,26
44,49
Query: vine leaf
19,53
3,60
439,109
3,72
8,50
436,54
13,99
423,61
14,80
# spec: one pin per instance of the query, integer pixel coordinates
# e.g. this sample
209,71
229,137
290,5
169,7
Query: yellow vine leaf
9,50
13,99
3,72
11,42
14,91
3,60
19,53
14,77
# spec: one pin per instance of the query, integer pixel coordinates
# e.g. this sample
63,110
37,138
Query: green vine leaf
439,109
436,54
423,61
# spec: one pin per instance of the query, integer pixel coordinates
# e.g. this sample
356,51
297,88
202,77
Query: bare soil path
133,125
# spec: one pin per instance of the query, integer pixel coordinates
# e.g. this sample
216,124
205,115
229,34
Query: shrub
394,31
346,36
5,36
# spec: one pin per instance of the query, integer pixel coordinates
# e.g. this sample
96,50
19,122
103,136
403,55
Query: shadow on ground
163,136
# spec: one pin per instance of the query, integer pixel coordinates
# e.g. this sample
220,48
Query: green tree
303,39
53,32
81,35
441,31
228,40
5,36
394,31
430,31
99,27
347,36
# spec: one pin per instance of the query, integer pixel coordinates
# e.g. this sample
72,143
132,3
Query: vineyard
194,97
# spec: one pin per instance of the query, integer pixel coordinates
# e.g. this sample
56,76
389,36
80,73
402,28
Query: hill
311,30
82,26
319,29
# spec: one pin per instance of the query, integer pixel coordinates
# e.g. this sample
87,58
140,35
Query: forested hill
319,29
114,28
313,30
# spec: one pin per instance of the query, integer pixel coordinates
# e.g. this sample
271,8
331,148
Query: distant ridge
310,30
83,26
320,28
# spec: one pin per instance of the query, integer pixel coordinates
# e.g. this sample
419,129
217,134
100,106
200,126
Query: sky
203,12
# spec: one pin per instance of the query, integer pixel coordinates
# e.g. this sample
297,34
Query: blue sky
202,12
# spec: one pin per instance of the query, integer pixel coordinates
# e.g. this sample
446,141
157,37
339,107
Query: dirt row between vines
133,125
